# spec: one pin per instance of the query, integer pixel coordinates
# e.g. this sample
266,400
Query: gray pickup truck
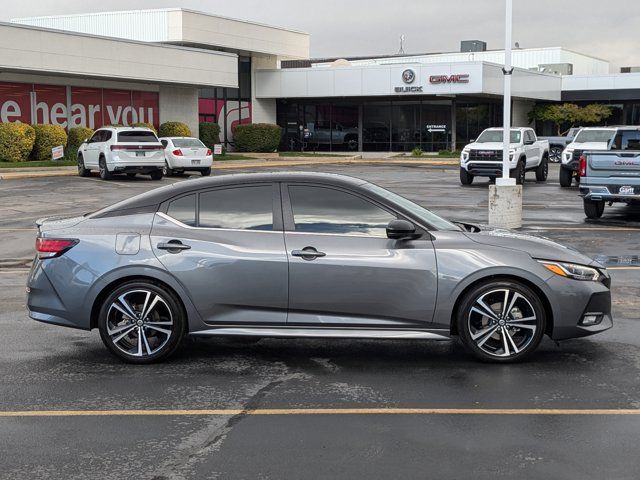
608,177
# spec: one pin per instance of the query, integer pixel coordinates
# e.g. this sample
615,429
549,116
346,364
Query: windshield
429,217
594,136
493,136
187,142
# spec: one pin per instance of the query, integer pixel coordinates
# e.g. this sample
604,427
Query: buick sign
408,76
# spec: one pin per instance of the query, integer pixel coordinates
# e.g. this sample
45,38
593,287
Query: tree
570,114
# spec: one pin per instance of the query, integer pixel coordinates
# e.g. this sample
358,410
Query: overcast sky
606,29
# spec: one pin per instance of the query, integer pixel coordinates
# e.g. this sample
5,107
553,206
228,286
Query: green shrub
449,153
75,137
146,125
47,137
257,137
16,141
209,134
174,129
417,152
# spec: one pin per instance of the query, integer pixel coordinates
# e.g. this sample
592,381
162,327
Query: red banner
89,107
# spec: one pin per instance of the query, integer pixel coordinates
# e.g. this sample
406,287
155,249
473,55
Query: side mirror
401,230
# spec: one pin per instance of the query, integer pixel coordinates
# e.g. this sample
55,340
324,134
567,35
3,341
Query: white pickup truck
483,157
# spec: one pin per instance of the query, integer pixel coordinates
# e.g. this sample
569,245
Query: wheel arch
548,310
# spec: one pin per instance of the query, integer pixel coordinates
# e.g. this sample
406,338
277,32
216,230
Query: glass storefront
385,125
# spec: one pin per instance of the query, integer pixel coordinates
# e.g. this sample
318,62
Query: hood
538,247
588,146
489,146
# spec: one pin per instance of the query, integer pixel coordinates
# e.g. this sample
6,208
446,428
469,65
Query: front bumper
573,300
484,169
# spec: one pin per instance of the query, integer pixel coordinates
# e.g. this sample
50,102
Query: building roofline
151,10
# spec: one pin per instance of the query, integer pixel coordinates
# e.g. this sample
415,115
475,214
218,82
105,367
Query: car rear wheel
465,177
555,154
141,322
543,170
156,174
501,321
166,170
82,171
205,172
593,208
566,177
105,174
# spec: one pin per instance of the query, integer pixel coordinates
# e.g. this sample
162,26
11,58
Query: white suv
129,150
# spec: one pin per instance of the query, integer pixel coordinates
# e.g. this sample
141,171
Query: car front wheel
566,177
82,170
141,322
501,321
465,177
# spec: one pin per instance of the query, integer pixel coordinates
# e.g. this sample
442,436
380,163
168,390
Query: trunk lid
613,164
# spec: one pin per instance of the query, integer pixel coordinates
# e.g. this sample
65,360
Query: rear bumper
608,193
186,164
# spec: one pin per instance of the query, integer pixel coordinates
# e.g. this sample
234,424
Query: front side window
243,208
96,137
326,210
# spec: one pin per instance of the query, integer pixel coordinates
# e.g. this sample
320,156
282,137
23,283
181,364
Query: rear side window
184,210
242,208
187,142
627,140
137,136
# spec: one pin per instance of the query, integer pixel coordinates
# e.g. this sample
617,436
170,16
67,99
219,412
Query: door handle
308,253
173,246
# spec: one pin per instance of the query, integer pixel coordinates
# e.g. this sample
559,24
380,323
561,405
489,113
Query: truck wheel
593,208
543,170
566,177
465,177
555,154
518,173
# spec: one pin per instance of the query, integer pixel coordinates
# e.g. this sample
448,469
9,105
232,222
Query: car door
344,271
92,149
226,246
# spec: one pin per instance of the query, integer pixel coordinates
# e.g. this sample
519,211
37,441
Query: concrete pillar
454,125
505,205
360,127
520,113
263,110
180,104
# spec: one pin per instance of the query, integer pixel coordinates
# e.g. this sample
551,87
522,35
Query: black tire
105,174
465,177
485,335
131,175
154,345
166,171
205,172
542,172
519,173
566,177
82,171
593,208
156,174
555,153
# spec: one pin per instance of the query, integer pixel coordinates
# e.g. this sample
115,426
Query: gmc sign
458,78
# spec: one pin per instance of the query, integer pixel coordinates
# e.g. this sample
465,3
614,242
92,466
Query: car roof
613,127
154,198
117,129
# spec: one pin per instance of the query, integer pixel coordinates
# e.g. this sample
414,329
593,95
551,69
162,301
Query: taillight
53,247
208,152
582,169
177,152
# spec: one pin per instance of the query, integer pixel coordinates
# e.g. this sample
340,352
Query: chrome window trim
189,227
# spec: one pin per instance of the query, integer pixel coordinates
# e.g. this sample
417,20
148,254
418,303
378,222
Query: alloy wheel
139,323
555,154
502,322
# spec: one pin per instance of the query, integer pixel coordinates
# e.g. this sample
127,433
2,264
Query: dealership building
179,65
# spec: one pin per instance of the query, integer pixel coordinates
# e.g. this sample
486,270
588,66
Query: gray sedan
305,255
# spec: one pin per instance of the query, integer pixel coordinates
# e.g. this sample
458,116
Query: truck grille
485,155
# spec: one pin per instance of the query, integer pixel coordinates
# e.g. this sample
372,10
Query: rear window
187,142
594,136
627,140
137,136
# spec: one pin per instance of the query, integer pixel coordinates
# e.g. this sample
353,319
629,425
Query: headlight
572,270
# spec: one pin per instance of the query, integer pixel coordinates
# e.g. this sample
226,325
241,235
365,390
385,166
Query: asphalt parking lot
577,403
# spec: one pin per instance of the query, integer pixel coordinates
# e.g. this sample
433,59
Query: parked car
594,139
130,150
186,154
305,255
483,157
323,133
612,176
559,143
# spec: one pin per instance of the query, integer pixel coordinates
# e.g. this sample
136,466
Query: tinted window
627,140
245,208
164,143
325,210
187,142
529,136
184,210
138,136
96,136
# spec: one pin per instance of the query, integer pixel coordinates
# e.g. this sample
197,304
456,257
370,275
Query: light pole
505,197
